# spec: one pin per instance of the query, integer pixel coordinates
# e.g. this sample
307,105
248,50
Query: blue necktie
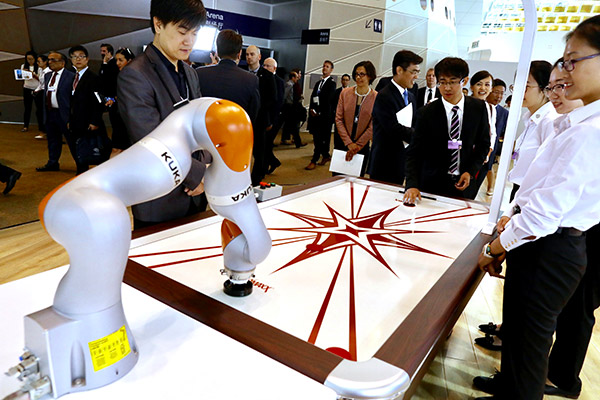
405,97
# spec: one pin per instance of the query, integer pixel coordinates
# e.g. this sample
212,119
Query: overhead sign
245,25
315,36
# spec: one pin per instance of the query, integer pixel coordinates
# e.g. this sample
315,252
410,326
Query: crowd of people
439,139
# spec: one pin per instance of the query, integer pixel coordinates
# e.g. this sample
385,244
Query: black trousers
39,109
321,132
259,168
291,125
541,277
28,103
576,322
56,128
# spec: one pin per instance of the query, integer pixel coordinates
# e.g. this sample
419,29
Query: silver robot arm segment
88,216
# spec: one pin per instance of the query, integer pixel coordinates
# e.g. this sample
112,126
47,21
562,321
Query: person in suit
152,86
225,80
383,82
292,107
86,104
272,162
268,98
388,156
108,74
451,139
353,117
494,98
429,93
8,176
57,95
321,116
337,140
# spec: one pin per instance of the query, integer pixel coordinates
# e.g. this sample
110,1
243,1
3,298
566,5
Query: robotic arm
83,341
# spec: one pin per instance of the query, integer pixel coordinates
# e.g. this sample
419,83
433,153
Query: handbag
93,149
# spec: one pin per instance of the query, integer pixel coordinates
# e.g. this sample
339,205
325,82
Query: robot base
237,289
81,352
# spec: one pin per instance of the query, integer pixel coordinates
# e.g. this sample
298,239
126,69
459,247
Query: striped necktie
454,135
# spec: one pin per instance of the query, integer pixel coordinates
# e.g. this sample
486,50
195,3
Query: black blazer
421,96
147,94
280,89
268,98
428,157
108,78
63,93
325,111
86,107
388,156
226,81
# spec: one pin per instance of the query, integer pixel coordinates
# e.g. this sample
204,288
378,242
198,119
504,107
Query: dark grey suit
226,81
147,95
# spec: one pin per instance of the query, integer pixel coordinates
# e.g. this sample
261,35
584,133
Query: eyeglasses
449,83
557,89
74,57
569,65
360,75
414,71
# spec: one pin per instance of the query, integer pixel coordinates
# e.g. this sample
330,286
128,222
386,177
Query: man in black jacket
268,97
451,139
86,104
427,94
321,116
388,156
225,80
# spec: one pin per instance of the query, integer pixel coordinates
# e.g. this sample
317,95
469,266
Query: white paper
405,117
21,74
341,166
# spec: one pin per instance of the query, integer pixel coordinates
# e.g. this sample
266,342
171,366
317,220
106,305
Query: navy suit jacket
388,156
428,158
226,81
63,93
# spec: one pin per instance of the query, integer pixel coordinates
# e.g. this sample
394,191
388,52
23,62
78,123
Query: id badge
454,144
515,155
316,100
52,89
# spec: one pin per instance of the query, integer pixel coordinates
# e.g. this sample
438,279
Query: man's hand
196,192
492,266
353,148
109,103
107,58
92,127
411,195
502,223
463,182
313,113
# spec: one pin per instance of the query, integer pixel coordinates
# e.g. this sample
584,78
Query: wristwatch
487,251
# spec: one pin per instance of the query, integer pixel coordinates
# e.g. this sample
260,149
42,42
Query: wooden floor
27,250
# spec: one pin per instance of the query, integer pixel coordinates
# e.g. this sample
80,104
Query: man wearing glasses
451,139
57,97
86,104
494,98
391,128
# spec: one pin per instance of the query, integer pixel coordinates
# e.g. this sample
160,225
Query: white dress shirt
537,129
427,91
80,74
562,186
42,76
400,88
491,110
461,110
54,88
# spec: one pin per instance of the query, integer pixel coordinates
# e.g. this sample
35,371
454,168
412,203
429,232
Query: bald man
268,97
271,162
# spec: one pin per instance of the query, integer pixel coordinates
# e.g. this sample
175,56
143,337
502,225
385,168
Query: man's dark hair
328,62
508,99
369,68
189,14
452,67
109,47
479,76
499,82
349,77
404,58
540,70
78,48
229,44
588,30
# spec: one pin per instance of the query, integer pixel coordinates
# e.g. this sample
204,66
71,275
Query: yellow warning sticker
109,349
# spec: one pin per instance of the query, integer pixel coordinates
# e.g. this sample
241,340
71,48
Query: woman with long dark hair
38,94
29,85
120,139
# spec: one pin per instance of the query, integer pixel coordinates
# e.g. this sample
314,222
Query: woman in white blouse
539,119
38,93
29,85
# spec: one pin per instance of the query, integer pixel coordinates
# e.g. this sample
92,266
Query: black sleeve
414,153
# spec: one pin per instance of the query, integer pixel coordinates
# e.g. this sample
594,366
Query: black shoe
555,391
48,167
10,183
490,328
301,145
489,385
273,167
489,342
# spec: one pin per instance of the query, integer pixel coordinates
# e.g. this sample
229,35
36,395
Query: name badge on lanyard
454,144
